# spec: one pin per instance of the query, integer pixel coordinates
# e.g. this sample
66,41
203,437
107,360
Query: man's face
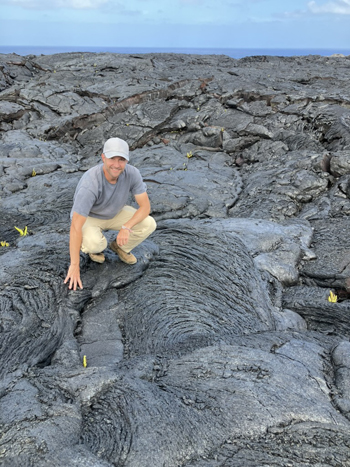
113,167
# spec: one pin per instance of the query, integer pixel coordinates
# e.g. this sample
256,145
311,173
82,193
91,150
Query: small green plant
189,155
33,173
332,297
23,232
4,243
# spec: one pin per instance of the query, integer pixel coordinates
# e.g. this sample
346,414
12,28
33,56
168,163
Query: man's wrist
126,228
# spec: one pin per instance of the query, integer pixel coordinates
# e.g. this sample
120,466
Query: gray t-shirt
96,197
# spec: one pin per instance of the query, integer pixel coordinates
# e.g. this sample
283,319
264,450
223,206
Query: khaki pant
95,242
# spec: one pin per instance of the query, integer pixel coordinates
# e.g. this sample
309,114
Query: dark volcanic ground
219,348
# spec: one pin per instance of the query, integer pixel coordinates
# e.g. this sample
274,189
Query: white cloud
53,4
191,2
338,7
82,4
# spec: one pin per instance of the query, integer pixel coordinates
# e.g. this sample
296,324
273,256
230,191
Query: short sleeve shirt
96,197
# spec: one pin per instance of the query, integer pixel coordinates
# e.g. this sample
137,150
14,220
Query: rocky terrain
220,347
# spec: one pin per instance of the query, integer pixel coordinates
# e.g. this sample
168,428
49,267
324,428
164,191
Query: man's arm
142,212
75,239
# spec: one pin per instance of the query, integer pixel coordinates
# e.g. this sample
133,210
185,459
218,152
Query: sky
177,23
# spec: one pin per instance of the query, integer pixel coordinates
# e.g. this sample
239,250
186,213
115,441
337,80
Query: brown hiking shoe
127,258
97,257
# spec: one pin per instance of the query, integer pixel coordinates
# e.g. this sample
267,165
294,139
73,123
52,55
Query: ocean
231,52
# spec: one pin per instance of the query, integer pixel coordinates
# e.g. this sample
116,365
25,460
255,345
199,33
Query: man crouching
100,204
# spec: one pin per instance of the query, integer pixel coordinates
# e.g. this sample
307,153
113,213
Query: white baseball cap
116,147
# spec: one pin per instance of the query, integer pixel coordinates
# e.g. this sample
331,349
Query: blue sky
177,23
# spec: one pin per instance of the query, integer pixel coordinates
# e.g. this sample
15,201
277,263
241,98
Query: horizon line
174,47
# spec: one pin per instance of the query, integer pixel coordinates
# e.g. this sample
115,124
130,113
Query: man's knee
145,227
93,242
152,225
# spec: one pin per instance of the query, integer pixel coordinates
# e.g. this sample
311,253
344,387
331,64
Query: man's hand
73,276
75,239
123,237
